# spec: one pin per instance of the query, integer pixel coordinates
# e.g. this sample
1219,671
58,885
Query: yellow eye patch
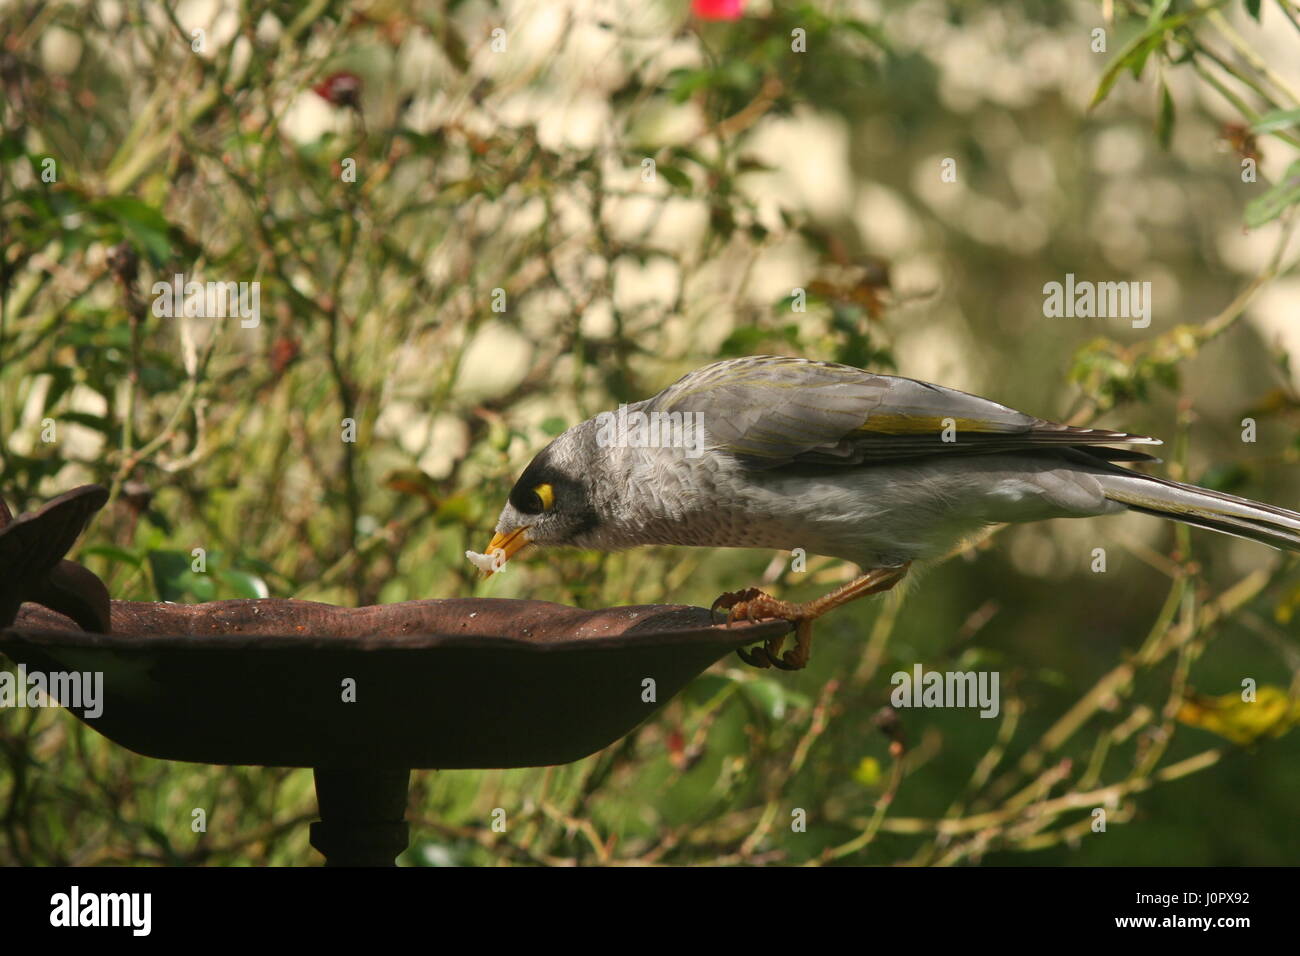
545,494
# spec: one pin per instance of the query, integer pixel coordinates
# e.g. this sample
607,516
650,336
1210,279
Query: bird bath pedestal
361,695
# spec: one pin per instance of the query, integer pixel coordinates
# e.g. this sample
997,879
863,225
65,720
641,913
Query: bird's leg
753,605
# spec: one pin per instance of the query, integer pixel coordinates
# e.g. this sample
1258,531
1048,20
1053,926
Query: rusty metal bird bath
439,684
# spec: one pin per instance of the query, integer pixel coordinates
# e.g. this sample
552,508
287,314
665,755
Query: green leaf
768,697
1277,200
1252,7
113,554
1275,120
452,510
423,142
676,178
743,341
243,584
682,84
772,698
99,423
709,690
174,580
144,225
1134,54
868,32
1165,118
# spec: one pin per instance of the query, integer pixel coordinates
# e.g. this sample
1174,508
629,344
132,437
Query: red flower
718,9
341,89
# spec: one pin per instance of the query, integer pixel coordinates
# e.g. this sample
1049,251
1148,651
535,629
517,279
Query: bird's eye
545,497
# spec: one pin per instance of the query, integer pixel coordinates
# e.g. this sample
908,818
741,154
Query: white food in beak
484,562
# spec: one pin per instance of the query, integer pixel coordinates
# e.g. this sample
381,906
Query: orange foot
752,604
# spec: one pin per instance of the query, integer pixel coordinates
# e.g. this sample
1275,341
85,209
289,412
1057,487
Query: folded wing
777,412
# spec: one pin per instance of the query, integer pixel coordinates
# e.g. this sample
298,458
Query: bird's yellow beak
508,544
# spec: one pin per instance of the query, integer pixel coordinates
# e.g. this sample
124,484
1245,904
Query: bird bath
361,695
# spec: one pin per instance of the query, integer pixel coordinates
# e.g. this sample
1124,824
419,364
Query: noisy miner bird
773,452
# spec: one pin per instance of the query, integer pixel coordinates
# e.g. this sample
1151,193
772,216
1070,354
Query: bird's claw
752,604
787,662
736,604
769,655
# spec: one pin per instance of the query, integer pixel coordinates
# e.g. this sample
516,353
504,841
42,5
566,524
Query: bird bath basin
362,695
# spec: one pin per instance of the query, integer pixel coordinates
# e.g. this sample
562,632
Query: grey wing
774,411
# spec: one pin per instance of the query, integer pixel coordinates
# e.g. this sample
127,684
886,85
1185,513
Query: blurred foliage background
476,223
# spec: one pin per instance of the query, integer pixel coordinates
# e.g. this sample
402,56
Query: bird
781,452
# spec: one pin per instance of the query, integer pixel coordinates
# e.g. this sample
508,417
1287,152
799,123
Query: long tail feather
1204,508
